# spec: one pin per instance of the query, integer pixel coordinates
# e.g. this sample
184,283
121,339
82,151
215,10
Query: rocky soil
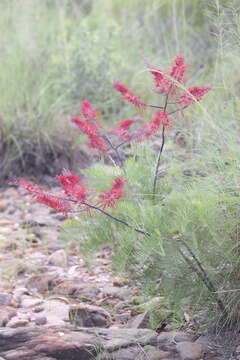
54,306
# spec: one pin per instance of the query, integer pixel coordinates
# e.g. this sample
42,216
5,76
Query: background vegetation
57,53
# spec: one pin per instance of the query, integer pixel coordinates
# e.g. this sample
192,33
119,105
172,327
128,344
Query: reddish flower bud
122,129
73,186
163,82
95,139
178,70
88,111
197,92
84,126
109,198
42,196
98,143
127,95
160,118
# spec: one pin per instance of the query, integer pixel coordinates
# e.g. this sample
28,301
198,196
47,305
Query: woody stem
115,218
161,149
115,149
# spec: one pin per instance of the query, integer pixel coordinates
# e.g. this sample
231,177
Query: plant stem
158,162
198,263
120,160
161,148
115,218
205,280
173,112
95,207
156,106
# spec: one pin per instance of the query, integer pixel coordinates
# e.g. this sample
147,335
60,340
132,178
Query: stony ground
54,306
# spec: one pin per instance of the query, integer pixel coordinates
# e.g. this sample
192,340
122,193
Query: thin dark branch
115,218
173,112
161,148
90,206
198,263
200,275
156,106
158,162
123,143
115,149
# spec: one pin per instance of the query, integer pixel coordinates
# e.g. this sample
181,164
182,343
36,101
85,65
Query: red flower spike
72,186
109,198
197,92
40,194
123,89
161,82
98,143
122,129
88,111
84,126
59,205
127,95
178,70
160,118
95,139
31,188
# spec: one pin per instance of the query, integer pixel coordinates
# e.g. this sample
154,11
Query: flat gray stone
189,351
6,314
61,343
58,258
85,315
5,299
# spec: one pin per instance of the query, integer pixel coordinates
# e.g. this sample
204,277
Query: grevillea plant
75,196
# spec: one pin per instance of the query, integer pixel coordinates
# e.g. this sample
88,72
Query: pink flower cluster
168,83
75,191
88,123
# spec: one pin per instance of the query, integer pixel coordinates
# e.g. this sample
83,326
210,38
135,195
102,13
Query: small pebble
40,320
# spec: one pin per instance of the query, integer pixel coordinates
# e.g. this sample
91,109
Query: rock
164,337
123,318
77,289
203,340
58,258
41,283
55,311
57,342
40,320
130,353
181,336
30,301
6,313
20,291
113,339
189,351
10,245
140,321
120,281
152,353
5,299
15,322
165,341
38,309
116,292
137,352
85,315
3,205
